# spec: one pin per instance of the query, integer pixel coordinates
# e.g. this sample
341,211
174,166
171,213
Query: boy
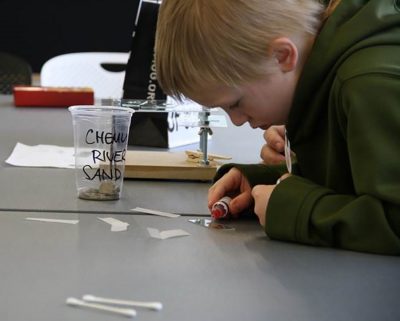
329,72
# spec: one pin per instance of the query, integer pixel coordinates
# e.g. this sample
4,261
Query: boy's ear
285,52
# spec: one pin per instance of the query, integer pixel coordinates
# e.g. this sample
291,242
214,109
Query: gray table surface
45,189
209,275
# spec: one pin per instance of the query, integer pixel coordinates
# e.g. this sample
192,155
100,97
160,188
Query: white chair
87,69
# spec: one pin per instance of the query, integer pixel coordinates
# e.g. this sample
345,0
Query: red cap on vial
220,208
217,212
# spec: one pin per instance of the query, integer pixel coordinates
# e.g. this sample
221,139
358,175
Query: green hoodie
344,127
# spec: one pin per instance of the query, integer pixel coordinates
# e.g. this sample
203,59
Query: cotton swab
79,303
157,306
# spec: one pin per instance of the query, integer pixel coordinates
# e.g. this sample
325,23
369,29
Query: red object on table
31,96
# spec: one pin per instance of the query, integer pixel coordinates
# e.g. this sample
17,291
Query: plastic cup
100,139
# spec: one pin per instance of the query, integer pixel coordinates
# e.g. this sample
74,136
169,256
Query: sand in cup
100,139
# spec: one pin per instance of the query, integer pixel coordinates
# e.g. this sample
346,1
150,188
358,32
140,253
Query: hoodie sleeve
255,173
369,220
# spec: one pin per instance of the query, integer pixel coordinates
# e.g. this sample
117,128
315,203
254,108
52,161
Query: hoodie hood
354,25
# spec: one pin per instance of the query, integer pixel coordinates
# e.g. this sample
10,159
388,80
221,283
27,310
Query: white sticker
50,220
116,225
154,212
163,235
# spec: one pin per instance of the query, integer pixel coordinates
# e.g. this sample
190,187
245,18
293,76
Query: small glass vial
220,209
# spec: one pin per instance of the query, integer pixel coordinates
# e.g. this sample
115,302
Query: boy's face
261,103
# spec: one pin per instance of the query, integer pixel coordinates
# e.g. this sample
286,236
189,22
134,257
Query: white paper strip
50,220
163,235
154,212
116,225
42,156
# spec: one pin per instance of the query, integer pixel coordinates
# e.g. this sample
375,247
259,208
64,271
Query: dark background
39,30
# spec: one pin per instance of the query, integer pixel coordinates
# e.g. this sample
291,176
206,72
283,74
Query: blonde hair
200,42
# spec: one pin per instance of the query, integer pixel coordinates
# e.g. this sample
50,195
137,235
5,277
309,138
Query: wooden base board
165,165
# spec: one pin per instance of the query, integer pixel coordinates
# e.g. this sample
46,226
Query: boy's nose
237,119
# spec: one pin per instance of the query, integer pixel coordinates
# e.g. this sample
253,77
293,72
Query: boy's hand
235,185
273,151
261,195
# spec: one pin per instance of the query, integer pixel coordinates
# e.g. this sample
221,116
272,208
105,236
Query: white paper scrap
50,220
163,235
116,225
42,156
154,212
